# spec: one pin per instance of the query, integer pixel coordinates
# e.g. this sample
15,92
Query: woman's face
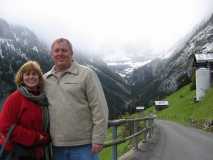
31,80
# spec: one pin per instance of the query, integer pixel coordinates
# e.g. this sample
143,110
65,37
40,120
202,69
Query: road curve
177,142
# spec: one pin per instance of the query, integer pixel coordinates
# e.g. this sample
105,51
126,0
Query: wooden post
130,125
146,132
114,147
152,129
136,137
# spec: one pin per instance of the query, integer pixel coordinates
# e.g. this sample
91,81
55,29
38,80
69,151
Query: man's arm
99,109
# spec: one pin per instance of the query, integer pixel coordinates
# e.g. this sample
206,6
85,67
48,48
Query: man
77,106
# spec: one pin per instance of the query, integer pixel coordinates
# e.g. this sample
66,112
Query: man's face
61,55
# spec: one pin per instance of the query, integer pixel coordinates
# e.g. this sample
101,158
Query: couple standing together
68,102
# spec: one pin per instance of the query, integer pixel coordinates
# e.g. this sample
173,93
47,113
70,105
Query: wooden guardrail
133,125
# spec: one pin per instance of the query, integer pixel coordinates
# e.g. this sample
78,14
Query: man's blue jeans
74,153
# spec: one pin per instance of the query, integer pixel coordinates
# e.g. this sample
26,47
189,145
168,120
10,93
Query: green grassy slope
184,110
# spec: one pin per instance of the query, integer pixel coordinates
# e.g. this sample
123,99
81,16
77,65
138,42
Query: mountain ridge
19,44
166,76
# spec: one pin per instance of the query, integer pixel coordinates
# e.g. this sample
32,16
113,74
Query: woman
25,115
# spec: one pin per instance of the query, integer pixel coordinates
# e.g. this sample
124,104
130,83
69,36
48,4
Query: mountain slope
183,109
19,44
162,77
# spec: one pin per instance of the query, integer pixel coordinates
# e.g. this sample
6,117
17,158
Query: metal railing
135,131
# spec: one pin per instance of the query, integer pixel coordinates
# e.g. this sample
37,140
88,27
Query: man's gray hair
61,40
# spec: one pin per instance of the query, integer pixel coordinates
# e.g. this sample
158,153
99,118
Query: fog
110,29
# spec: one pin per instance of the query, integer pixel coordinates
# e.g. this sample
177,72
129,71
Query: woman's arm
10,115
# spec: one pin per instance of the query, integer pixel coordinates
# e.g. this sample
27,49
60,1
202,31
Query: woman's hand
41,137
44,138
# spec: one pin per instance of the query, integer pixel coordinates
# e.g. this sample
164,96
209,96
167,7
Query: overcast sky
110,27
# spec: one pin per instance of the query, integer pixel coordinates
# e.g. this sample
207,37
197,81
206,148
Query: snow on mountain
125,68
18,44
171,73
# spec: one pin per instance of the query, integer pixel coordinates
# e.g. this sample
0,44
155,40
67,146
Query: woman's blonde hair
27,67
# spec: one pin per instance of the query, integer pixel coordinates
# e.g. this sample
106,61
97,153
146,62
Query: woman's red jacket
27,116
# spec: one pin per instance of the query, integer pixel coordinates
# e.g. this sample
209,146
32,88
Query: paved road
176,142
